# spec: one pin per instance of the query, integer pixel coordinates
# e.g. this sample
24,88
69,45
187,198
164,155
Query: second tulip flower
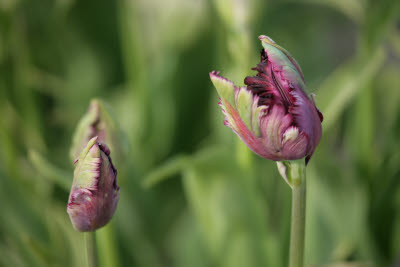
272,115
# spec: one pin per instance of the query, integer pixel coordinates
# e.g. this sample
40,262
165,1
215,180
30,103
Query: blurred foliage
191,193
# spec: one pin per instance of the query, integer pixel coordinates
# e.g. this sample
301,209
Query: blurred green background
191,194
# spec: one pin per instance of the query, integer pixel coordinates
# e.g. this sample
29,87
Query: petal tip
214,73
266,39
93,140
225,88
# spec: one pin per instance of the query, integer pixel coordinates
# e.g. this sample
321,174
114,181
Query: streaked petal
280,56
225,88
244,101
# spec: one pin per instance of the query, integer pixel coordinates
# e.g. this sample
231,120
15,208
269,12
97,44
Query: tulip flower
272,114
94,194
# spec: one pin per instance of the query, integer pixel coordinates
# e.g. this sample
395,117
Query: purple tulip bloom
272,115
94,193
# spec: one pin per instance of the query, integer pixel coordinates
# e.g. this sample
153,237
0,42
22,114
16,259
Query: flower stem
297,172
107,246
90,244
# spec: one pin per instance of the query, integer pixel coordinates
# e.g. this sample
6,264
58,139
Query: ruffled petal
294,143
273,125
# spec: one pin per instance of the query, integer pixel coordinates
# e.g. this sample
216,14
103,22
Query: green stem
107,246
297,172
90,244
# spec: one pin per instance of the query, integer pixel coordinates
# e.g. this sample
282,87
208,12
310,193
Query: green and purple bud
272,114
94,194
99,122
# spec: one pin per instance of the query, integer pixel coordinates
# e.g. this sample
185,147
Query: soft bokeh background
191,194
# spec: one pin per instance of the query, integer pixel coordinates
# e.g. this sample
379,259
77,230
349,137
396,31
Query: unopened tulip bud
99,122
272,114
94,194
